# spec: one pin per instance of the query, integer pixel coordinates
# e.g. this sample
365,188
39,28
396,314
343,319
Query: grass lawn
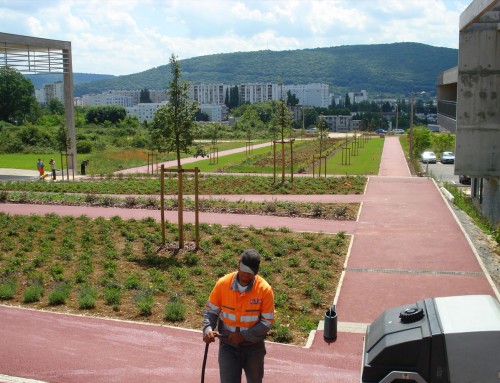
366,162
223,162
102,162
27,161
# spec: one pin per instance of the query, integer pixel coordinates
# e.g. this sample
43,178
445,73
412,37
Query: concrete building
107,98
338,123
473,90
144,111
259,92
49,92
357,97
157,95
216,113
310,94
205,94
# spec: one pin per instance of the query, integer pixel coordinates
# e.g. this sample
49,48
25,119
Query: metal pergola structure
33,55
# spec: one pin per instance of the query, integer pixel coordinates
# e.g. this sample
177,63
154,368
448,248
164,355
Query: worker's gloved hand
236,337
209,337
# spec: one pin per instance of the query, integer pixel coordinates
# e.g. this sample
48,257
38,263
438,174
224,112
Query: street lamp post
411,126
397,110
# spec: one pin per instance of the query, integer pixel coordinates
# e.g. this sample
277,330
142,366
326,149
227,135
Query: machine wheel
411,314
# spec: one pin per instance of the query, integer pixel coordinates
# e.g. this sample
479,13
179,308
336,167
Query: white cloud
128,36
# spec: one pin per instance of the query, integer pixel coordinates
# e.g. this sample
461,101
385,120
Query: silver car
428,157
447,158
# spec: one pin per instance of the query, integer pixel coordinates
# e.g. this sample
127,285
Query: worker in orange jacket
240,311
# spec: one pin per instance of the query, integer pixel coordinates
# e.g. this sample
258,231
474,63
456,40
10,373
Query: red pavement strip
407,246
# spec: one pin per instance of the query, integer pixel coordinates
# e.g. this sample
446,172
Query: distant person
39,165
53,168
83,167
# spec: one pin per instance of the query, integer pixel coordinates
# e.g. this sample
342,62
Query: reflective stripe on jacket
250,312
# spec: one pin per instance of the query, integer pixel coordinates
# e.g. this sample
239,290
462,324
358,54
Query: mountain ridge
389,69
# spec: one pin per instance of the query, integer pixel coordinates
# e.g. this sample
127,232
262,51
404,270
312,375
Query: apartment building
342,124
216,113
309,95
315,94
107,98
259,92
205,94
144,111
50,91
357,97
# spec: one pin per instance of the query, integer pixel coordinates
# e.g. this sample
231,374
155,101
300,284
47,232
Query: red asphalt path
407,245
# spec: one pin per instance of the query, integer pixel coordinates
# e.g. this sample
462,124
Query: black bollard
330,330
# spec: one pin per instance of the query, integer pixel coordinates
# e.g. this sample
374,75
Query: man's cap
250,261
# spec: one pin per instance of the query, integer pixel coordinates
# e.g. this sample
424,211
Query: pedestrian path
407,246
189,160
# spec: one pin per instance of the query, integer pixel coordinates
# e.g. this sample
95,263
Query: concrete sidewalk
407,245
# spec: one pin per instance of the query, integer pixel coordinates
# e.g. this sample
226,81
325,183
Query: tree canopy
17,101
172,128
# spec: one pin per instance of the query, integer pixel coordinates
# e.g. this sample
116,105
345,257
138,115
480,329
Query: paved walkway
407,245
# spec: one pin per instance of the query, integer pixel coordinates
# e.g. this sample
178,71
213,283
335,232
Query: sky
121,37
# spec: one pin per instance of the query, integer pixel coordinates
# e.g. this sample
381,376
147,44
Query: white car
428,157
398,131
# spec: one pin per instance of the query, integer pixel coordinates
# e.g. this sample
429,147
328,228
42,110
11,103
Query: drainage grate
398,271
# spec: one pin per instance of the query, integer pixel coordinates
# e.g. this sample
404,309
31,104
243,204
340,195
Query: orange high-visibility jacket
250,312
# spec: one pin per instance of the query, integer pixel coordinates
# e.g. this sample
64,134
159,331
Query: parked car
381,131
464,180
398,131
428,157
447,158
312,130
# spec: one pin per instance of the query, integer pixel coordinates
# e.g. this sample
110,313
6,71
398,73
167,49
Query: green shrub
281,334
144,302
7,289
59,294
132,282
33,293
83,147
113,296
57,272
174,312
4,196
87,298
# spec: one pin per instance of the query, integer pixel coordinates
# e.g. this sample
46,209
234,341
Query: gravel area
485,246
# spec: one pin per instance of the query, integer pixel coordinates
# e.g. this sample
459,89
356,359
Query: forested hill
398,68
39,80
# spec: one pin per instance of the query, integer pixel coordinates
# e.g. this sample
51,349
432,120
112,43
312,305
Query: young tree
144,96
347,102
17,101
291,99
56,107
283,124
250,122
173,122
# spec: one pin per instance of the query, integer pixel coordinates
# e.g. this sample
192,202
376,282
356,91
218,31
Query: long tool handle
204,363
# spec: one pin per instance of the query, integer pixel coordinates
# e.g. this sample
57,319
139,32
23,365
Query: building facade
49,92
315,94
107,98
144,111
468,102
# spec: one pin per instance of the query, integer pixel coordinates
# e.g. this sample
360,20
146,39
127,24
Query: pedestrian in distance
39,166
53,168
83,167
240,312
